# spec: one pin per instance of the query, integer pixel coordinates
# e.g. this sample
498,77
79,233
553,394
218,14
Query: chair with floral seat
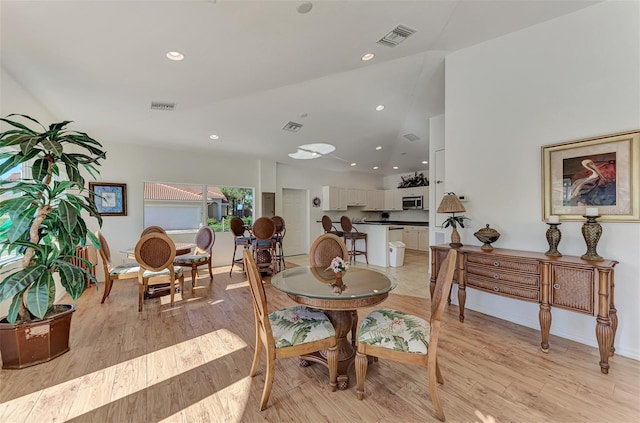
399,336
111,272
287,332
205,238
155,254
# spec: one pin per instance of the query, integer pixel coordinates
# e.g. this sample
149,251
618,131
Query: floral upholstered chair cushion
176,269
299,325
395,330
124,269
189,259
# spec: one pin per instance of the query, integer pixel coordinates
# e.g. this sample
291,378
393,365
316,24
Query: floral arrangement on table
339,267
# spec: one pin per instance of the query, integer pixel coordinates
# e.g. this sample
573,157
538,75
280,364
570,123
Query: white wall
574,77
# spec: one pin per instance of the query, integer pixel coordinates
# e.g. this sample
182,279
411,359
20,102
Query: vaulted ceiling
251,67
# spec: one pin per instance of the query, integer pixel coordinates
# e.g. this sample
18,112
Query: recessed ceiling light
395,167
305,7
375,168
175,56
214,136
380,108
368,57
379,147
353,164
425,162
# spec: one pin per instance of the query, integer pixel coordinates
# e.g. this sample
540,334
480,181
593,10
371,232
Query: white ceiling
250,68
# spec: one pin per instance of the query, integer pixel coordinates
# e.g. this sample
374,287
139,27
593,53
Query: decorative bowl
487,236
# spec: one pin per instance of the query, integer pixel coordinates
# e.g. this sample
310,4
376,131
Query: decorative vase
487,236
553,238
591,231
338,281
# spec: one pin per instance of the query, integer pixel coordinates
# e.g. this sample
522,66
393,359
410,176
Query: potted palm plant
43,222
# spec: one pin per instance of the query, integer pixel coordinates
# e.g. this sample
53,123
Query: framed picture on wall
110,198
601,173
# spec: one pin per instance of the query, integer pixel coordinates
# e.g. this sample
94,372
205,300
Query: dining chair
239,239
353,235
155,253
329,228
325,248
263,246
278,238
152,230
287,332
399,336
111,272
205,238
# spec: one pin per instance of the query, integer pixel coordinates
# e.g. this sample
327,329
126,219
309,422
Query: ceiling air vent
411,137
396,36
292,127
158,105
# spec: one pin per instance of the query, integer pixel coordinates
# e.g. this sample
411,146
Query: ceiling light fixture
176,56
395,167
425,162
375,168
380,108
353,164
312,151
368,57
379,147
214,137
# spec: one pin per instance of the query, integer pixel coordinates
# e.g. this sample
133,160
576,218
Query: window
14,174
186,207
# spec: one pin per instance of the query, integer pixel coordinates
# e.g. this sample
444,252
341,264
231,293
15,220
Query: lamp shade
450,204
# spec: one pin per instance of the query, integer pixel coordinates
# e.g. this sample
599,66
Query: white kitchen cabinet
334,198
375,200
423,239
392,199
356,197
416,238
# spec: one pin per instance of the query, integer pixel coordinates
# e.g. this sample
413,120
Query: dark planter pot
27,344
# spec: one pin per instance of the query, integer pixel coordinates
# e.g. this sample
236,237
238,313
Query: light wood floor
190,364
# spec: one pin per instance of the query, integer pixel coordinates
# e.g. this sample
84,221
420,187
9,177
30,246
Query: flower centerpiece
339,267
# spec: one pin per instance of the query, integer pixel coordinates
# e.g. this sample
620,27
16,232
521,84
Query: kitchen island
379,234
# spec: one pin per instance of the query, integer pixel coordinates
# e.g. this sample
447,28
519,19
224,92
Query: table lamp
451,204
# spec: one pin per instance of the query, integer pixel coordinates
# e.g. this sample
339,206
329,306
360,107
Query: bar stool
352,234
264,253
281,229
328,227
238,230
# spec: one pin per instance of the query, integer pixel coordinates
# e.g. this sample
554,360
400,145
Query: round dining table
315,287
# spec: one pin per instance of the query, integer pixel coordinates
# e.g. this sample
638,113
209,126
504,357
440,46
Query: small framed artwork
600,174
110,198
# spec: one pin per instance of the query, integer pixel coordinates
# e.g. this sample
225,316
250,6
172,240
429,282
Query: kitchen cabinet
392,200
375,200
334,198
356,197
416,238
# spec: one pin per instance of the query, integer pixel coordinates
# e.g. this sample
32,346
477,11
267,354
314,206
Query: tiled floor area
411,279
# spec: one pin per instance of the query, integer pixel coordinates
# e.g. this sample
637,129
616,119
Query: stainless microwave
412,203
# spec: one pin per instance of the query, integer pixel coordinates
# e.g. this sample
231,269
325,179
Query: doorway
295,212
268,204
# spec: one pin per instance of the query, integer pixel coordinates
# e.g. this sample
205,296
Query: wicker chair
111,272
205,238
417,344
328,227
325,248
352,234
155,254
152,230
278,238
239,239
281,339
264,250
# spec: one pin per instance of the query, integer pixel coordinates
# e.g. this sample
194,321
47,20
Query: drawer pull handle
496,288
496,263
496,276
556,286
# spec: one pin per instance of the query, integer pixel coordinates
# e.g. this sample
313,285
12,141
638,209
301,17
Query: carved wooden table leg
604,330
613,315
544,315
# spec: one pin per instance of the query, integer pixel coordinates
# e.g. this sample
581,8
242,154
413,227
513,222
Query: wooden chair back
155,252
441,291
237,226
325,248
264,228
205,238
259,300
105,253
327,225
345,223
152,230
280,226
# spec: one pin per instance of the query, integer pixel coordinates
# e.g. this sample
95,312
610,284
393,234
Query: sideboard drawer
521,265
498,288
498,275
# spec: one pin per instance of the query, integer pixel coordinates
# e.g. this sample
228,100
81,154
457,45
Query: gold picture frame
601,172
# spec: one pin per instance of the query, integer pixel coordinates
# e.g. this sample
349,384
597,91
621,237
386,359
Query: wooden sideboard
566,282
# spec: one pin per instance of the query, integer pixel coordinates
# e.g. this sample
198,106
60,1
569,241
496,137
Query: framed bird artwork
600,173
